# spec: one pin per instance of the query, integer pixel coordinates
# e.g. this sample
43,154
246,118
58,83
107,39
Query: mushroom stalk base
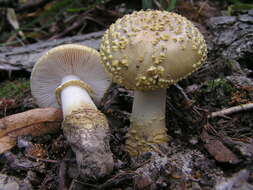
87,131
147,129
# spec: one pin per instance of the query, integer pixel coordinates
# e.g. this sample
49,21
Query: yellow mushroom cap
148,50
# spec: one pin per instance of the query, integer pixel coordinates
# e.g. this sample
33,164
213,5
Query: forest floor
208,148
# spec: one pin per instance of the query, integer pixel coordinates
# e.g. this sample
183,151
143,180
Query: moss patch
222,93
14,89
215,94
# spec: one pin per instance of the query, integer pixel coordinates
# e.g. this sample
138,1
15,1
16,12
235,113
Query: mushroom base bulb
145,138
148,128
87,131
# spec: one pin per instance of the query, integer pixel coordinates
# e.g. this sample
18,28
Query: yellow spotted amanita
72,75
147,51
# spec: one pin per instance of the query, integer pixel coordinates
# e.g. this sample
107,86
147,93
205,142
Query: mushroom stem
85,128
72,76
147,122
72,97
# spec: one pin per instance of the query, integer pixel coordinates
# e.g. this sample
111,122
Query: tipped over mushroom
147,51
71,74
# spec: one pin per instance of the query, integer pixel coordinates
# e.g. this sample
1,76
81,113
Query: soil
204,152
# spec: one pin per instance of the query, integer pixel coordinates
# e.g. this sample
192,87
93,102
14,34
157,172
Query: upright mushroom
71,74
147,51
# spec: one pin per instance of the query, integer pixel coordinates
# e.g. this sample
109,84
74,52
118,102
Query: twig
32,6
62,171
228,111
8,4
75,25
158,5
62,176
26,7
23,58
183,93
201,7
118,178
74,181
51,161
189,101
42,159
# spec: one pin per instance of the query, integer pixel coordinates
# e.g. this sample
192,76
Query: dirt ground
207,149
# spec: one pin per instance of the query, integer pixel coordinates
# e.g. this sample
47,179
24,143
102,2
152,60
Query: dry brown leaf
34,122
217,149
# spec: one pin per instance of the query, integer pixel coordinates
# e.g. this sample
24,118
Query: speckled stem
87,131
147,122
85,128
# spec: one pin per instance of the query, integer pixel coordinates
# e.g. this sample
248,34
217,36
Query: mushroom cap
148,50
64,60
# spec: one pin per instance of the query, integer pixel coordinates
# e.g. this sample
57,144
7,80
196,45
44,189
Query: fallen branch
30,7
228,111
8,4
34,122
23,58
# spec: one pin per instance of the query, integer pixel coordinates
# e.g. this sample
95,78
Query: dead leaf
217,149
12,18
34,122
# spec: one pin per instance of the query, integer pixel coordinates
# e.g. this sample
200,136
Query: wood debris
217,149
234,109
34,122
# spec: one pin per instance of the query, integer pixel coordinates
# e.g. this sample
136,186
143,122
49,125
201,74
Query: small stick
158,5
228,111
62,176
183,92
35,122
43,160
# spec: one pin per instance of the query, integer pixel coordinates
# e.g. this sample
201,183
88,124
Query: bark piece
217,149
35,122
232,36
238,181
23,58
13,183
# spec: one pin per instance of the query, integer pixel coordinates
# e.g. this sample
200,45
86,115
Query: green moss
166,5
238,5
216,93
220,83
230,64
14,89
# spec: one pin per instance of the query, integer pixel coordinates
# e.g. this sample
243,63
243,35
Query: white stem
147,127
72,97
148,105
